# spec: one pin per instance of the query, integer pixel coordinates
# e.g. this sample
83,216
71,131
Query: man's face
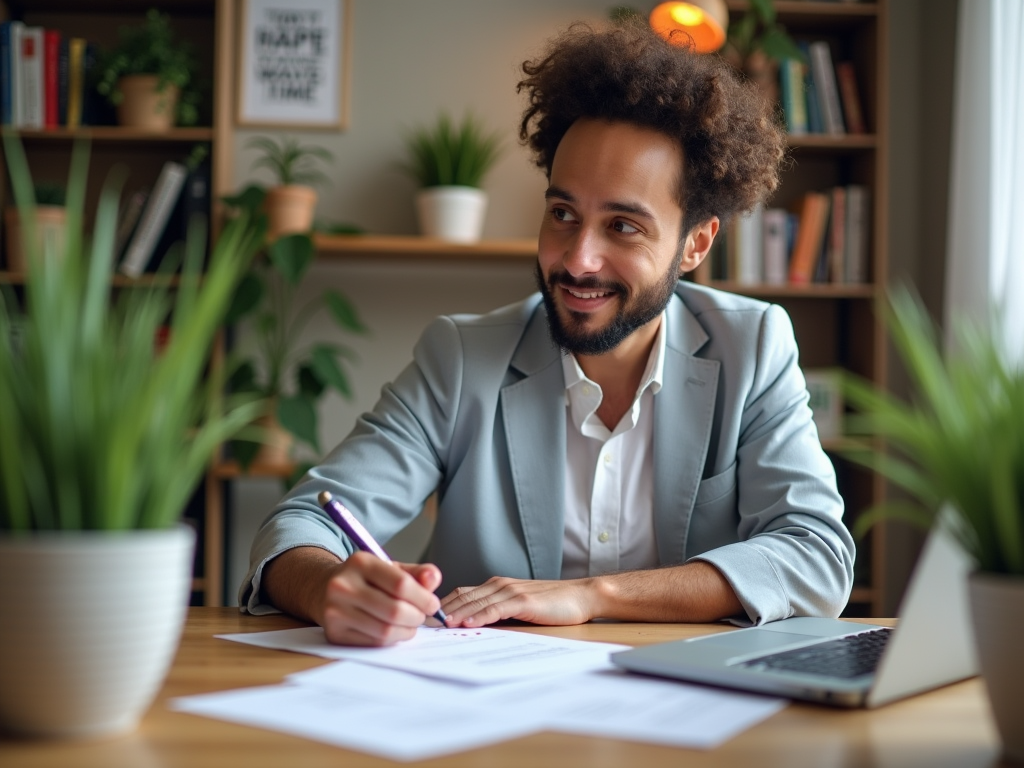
609,247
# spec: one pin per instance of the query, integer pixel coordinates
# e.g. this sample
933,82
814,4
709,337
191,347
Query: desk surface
948,727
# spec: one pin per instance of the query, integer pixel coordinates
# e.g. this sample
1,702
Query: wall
411,59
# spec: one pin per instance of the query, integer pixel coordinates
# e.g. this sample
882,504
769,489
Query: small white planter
997,610
89,624
452,213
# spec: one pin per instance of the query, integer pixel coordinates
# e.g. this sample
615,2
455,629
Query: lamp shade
697,23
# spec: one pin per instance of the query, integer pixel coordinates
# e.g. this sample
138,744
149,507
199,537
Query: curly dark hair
732,140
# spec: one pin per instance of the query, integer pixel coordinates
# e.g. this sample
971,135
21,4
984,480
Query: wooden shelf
113,133
863,595
422,248
849,142
810,291
232,470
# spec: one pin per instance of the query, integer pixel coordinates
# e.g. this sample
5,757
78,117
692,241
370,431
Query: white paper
398,732
480,656
609,703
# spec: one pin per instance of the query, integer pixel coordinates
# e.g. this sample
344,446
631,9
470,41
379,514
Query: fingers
492,601
371,602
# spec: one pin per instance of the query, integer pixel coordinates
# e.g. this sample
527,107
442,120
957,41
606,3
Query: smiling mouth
587,294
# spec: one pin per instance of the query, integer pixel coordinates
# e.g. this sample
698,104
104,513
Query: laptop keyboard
845,657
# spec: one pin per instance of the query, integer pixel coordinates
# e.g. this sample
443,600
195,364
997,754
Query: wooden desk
949,727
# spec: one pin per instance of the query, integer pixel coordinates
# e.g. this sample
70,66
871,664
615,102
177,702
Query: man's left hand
555,603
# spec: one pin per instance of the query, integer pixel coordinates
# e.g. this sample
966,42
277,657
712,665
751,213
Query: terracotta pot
50,226
997,611
143,106
452,213
764,73
289,210
91,622
276,449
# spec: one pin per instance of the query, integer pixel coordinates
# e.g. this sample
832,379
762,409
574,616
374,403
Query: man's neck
619,372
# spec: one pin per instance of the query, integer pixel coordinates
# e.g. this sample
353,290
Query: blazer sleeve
386,468
794,556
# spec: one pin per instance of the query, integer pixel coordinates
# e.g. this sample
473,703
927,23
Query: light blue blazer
741,480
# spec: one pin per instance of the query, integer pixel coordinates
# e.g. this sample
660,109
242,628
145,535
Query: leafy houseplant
757,43
960,442
151,76
289,374
449,162
104,435
291,202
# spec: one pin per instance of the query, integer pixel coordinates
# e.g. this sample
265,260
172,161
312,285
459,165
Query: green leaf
326,368
344,312
243,378
247,297
778,45
309,383
291,255
297,414
249,199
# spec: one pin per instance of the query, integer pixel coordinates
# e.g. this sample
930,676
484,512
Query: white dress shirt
609,475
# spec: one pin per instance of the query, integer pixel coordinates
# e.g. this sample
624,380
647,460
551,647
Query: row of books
824,239
45,79
820,95
151,220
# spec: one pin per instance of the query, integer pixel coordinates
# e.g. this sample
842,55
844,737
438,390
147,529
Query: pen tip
323,498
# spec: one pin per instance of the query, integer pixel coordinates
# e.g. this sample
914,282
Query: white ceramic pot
89,624
997,610
452,213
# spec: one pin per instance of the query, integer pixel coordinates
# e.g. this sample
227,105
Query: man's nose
583,253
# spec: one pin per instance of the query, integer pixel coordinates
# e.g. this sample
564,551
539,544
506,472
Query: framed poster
293,64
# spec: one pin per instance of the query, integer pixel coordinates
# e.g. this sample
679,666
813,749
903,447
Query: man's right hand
360,601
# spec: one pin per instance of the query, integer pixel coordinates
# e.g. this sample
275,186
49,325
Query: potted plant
45,218
105,433
959,442
757,43
449,161
151,76
289,372
291,202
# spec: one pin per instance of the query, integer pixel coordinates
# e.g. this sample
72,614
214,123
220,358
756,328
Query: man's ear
698,244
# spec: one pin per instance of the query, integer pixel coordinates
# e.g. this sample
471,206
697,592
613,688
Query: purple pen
355,531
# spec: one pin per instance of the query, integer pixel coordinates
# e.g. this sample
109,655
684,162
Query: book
76,81
776,250
193,202
810,236
857,233
825,401
62,82
31,83
837,236
128,219
794,100
814,122
750,247
850,96
6,92
827,88
14,29
51,58
153,219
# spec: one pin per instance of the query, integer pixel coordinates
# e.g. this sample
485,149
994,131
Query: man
657,462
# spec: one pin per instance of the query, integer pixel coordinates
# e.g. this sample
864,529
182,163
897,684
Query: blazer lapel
683,417
533,409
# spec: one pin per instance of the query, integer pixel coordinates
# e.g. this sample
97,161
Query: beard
634,311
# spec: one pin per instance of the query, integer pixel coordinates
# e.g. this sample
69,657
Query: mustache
565,280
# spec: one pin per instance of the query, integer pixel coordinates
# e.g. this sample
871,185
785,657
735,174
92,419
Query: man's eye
560,214
624,227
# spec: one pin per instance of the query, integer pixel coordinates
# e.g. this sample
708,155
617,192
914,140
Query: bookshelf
209,26
836,325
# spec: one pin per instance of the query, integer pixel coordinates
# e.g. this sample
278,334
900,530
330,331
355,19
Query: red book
810,237
51,88
850,97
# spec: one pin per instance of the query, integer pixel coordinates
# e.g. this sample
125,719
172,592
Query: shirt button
603,538
607,458
586,390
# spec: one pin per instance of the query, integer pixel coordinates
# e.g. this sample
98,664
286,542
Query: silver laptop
839,662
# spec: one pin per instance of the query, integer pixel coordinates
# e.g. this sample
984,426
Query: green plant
100,428
449,154
759,30
289,161
153,49
290,374
959,441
